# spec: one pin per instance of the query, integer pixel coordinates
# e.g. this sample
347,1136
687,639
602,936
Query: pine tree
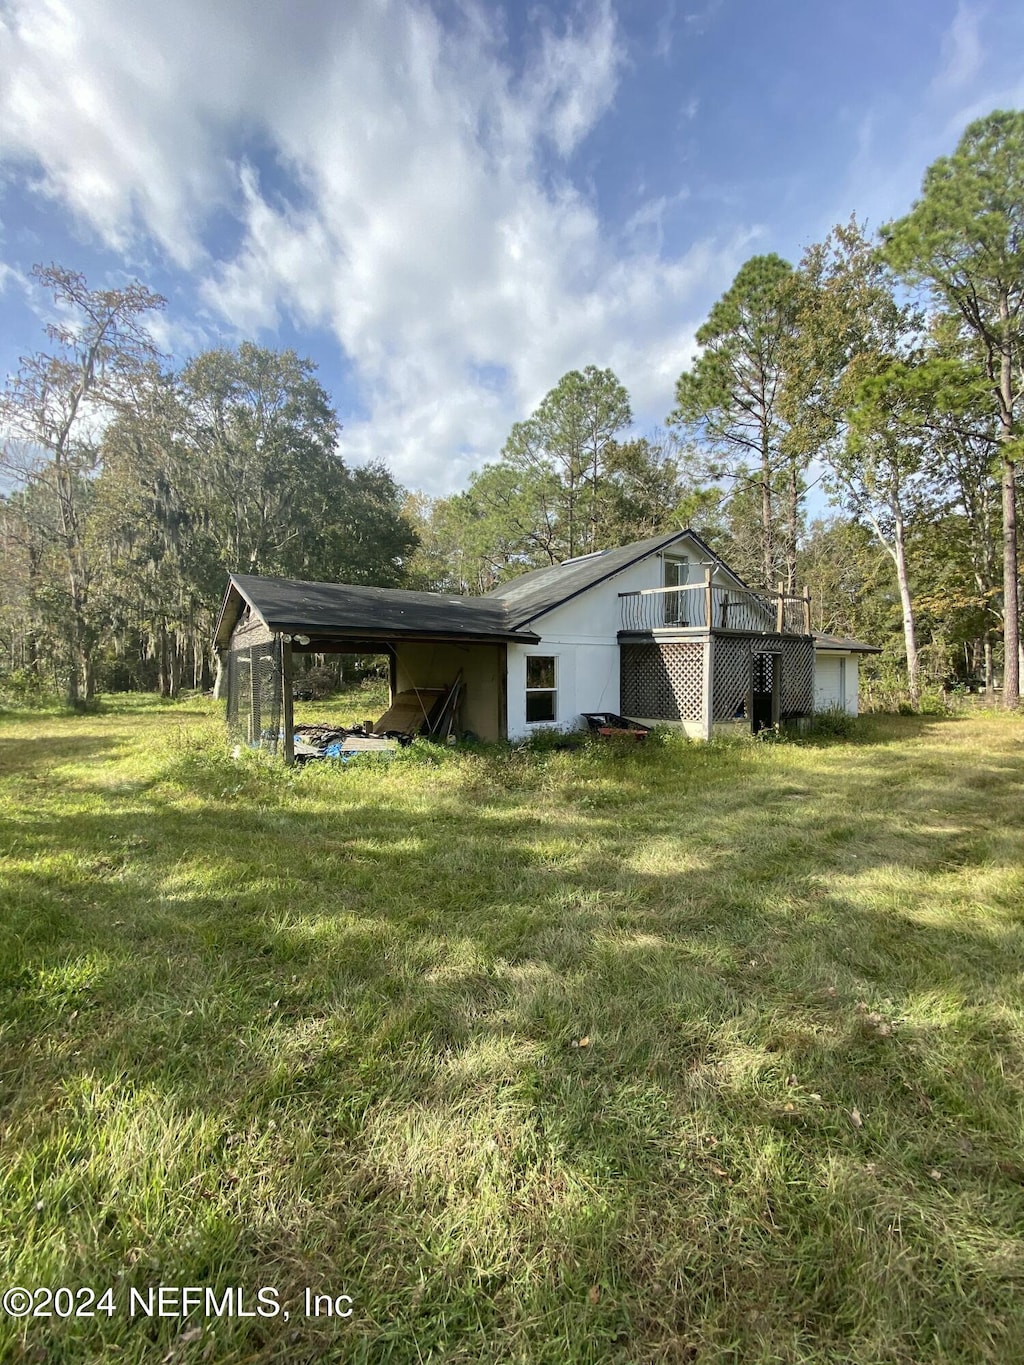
964,240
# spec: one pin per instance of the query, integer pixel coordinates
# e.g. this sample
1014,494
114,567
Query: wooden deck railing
695,606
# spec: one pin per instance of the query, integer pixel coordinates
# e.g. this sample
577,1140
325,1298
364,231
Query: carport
429,638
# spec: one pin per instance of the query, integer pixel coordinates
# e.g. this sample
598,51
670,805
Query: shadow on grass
36,755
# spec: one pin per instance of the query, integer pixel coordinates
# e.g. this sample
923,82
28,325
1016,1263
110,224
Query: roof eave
223,631
847,647
410,635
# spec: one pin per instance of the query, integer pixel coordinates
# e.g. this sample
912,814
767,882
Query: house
661,631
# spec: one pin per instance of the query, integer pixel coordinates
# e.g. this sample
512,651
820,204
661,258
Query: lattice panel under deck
731,674
662,682
797,697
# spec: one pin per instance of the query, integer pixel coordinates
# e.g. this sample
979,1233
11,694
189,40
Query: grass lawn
675,1053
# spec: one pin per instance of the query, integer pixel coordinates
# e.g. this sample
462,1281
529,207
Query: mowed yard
672,1053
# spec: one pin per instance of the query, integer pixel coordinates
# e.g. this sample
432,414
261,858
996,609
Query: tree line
884,368
888,369
135,490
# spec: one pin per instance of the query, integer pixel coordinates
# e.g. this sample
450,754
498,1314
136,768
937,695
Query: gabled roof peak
542,590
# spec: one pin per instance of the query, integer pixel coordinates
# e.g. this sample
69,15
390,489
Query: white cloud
427,218
8,275
962,52
885,173
663,33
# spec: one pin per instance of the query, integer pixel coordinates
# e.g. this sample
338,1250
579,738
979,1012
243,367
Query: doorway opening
765,679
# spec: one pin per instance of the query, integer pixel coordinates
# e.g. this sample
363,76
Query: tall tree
728,400
571,438
258,462
846,396
882,474
850,578
233,466
964,239
259,432
951,398
643,491
51,415
159,572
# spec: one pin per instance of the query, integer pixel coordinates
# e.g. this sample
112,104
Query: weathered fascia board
379,644
666,634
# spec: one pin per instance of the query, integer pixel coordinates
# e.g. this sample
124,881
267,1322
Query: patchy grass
665,1053
369,701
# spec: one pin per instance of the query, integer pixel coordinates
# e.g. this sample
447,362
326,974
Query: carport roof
346,612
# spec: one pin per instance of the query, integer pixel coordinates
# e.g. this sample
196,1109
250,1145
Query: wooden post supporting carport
287,701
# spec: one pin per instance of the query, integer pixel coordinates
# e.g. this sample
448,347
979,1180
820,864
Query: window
540,687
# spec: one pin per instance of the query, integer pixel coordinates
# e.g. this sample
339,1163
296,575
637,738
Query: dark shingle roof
343,610
843,642
542,590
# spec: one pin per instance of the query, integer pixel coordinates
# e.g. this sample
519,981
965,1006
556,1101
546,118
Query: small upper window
541,687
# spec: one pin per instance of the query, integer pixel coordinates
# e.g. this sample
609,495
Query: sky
448,205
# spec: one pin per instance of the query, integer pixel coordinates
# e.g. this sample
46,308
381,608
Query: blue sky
447,206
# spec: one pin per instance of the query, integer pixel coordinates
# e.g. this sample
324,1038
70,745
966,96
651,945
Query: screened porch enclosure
259,671
255,669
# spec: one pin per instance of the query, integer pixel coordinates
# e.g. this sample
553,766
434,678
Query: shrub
23,688
548,738
834,722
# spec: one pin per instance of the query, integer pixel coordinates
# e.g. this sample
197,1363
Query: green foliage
231,465
566,484
562,454
548,739
964,240
24,688
728,403
834,722
852,357
50,413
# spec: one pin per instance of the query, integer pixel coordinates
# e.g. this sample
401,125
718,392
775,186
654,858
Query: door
677,573
764,688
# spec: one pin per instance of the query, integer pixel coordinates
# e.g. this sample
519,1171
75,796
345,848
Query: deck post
287,701
807,609
708,608
780,609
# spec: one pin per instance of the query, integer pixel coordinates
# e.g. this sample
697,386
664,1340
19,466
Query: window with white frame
541,687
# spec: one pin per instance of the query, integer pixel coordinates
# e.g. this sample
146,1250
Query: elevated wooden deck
695,609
